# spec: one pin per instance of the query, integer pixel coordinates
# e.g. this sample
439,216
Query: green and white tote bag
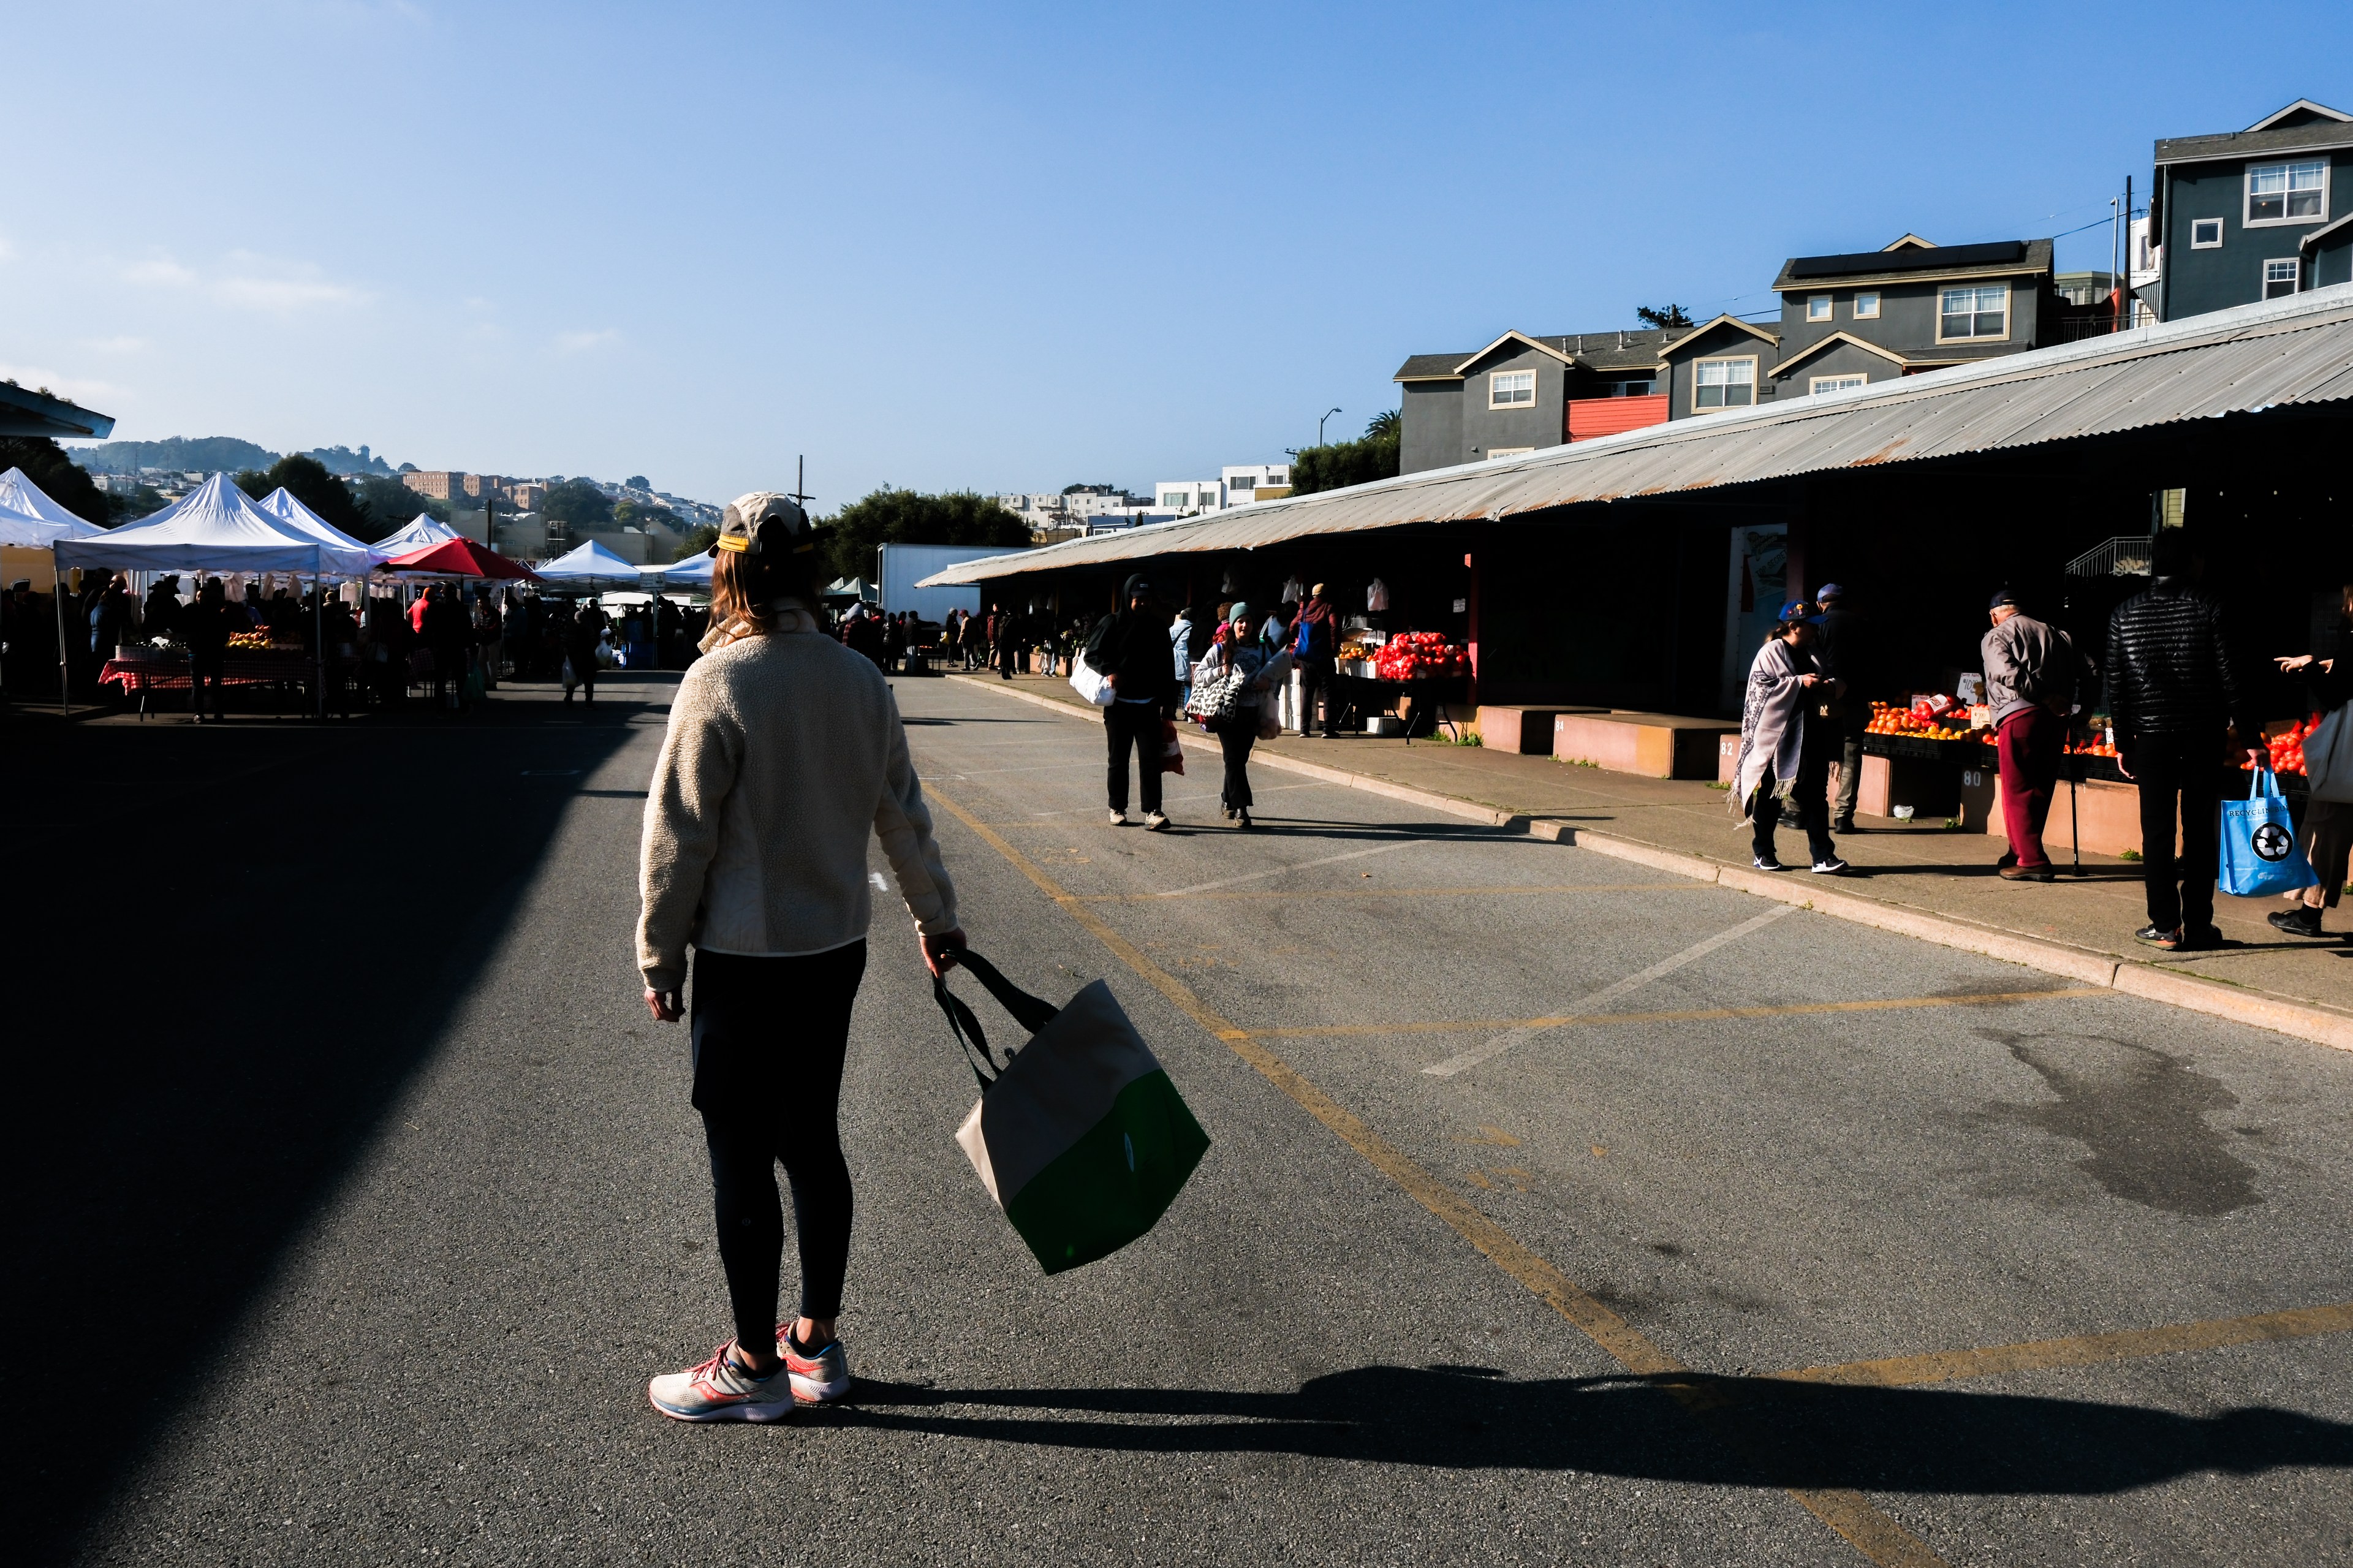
1078,1135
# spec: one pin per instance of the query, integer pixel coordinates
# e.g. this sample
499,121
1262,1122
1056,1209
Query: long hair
746,587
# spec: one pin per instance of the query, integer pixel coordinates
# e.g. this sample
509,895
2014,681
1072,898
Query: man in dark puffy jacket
2172,692
1131,649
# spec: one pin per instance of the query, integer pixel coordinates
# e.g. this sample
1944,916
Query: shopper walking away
1784,751
1131,649
2172,692
2030,670
1232,650
1845,650
785,751
2327,831
1316,643
1005,639
580,640
1180,649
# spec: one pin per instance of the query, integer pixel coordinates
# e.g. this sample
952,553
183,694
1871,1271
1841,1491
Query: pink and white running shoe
719,1390
819,1376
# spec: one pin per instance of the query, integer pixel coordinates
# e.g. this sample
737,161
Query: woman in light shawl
1780,754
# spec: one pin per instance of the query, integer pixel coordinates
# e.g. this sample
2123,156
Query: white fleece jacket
784,752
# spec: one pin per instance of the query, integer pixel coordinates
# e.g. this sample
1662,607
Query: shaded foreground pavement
354,1116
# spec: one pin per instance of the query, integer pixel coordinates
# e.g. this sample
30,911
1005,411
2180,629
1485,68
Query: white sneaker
1156,822
1119,820
719,1390
1830,868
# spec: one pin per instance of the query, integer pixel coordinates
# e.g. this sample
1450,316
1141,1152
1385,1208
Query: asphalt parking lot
1556,1209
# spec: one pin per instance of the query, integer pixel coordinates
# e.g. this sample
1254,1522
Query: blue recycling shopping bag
2259,852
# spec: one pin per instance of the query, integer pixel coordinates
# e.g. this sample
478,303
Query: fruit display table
277,667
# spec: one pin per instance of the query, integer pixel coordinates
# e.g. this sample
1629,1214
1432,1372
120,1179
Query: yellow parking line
1681,1015
1407,892
2083,1350
1874,1534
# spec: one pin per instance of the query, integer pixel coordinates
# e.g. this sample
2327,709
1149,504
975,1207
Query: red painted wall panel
1591,417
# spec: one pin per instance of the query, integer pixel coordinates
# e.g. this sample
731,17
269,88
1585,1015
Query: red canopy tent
460,558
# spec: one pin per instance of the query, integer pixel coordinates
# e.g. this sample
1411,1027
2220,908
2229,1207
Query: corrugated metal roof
2293,350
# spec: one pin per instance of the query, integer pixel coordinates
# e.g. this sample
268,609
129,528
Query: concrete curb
2215,998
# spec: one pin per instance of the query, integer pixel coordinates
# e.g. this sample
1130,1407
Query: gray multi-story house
1520,392
1869,316
2255,214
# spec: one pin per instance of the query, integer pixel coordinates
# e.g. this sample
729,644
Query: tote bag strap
1032,1013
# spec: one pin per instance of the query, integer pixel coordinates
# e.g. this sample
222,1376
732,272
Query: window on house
2287,192
1866,305
1974,313
2280,277
1633,389
1724,384
1821,383
2205,233
1512,389
1818,307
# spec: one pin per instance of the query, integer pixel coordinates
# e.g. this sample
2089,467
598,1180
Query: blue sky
1005,246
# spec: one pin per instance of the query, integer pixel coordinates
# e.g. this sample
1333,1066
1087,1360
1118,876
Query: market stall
692,574
1402,682
213,527
591,568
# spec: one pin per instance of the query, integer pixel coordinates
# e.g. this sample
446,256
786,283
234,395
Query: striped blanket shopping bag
1078,1135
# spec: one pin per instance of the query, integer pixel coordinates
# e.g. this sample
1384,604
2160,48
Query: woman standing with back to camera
785,751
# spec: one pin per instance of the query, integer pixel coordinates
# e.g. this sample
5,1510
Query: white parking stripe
1514,1038
1279,870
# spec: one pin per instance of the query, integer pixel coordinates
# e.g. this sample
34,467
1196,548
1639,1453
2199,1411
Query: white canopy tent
419,532
591,568
213,527
695,571
18,494
26,529
281,504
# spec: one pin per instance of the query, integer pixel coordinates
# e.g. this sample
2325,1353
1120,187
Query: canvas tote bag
2259,853
1078,1135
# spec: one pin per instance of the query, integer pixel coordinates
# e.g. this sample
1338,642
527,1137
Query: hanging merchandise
1231,582
1377,598
1292,593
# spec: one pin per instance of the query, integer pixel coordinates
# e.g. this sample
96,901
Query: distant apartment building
1251,483
1187,498
1521,393
524,495
451,485
2252,214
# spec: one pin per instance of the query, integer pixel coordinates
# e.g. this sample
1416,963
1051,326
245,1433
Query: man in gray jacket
2030,670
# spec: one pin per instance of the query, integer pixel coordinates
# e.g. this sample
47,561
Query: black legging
769,1037
1236,736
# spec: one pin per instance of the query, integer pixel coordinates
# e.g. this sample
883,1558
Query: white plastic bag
1377,598
1088,683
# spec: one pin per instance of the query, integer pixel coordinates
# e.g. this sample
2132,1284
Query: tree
1373,455
577,504
47,465
308,480
1666,316
636,482
699,542
906,517
387,504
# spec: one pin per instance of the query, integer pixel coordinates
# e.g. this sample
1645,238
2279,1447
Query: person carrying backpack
785,753
1316,643
2030,670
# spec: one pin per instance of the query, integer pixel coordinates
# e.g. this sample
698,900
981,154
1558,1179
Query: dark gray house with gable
1870,316
1520,392
2255,214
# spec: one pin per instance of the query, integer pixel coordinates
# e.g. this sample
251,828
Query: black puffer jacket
1134,646
2169,670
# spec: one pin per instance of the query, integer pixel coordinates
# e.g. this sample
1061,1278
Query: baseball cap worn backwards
766,522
